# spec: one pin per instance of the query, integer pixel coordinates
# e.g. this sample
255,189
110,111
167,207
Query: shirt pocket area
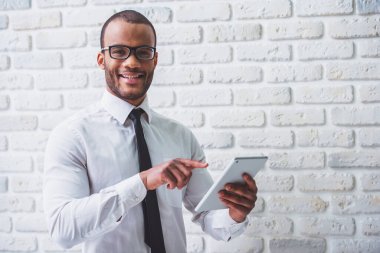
173,197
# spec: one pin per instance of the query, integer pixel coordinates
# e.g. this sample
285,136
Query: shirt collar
120,109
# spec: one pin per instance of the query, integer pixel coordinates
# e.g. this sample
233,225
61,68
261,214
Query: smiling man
117,173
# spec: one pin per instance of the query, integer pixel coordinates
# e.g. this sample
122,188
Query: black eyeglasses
121,52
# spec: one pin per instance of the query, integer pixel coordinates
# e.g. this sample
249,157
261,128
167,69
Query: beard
127,92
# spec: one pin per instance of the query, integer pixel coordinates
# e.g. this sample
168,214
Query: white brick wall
296,80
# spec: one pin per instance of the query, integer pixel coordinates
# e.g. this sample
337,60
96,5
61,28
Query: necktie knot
135,114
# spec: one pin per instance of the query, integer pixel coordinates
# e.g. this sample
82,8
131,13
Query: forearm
72,220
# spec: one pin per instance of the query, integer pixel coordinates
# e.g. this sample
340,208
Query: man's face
128,79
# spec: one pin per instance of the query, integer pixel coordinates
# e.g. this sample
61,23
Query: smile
131,76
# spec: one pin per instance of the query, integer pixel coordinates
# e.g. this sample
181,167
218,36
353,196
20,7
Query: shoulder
170,124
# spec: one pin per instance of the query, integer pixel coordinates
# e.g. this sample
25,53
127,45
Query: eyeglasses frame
131,49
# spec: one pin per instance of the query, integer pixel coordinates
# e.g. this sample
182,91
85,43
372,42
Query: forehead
124,33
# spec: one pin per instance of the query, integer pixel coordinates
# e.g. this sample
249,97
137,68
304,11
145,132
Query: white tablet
232,174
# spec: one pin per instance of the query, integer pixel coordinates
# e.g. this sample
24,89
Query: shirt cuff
225,221
131,191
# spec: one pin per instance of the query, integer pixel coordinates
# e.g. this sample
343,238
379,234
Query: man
113,166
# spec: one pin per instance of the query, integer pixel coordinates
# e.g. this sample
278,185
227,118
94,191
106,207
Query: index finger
250,182
192,164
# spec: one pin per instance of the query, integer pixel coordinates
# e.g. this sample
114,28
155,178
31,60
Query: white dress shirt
92,189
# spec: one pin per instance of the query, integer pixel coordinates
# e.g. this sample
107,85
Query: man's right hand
174,173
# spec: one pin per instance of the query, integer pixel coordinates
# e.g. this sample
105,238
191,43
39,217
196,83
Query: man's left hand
240,198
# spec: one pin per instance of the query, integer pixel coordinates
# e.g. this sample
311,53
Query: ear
100,60
155,59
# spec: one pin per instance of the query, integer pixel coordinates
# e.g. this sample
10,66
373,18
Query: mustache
132,70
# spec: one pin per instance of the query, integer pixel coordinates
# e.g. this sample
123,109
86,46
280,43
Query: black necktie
152,222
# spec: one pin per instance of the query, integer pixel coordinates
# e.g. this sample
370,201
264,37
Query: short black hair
129,16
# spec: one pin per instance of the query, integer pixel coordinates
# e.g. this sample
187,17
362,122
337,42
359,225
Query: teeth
132,77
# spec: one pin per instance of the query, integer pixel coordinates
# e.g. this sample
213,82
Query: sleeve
72,213
216,223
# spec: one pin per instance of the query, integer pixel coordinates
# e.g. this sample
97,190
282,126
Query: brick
369,93
370,182
242,243
31,223
354,159
298,204
355,116
195,244
204,97
15,42
93,37
354,27
16,203
195,12
264,52
161,97
269,225
295,30
154,14
214,140
355,204
106,2
11,243
97,78
18,122
60,39
325,50
353,71
86,17
4,102
274,183
28,141
48,121
81,58
39,163
294,73
4,62
3,145
60,3
297,160
369,48
189,118
371,226
323,7
3,188
13,163
237,118
13,81
325,138
233,32
5,224
262,9
36,20
7,5
61,80
4,21
81,99
40,60
324,95
266,139
262,96
314,226
331,182
168,35
37,101
367,6
369,137
234,74
259,206
297,117
165,56
177,76
204,54
355,245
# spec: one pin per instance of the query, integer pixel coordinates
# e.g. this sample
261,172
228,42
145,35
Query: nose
132,61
